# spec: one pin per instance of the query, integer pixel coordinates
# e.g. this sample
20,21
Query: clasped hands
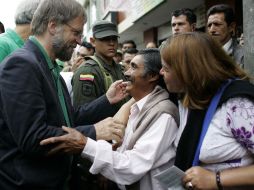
108,129
73,142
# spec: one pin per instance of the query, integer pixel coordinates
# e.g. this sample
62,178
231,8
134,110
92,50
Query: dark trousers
81,179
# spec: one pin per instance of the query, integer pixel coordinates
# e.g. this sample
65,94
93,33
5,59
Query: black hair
86,44
2,27
130,42
152,63
222,8
191,17
131,51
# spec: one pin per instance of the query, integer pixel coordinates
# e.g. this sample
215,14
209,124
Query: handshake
73,142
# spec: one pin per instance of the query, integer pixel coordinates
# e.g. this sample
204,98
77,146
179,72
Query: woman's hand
199,178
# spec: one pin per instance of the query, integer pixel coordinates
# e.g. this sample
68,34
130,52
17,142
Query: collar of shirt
139,104
135,110
228,46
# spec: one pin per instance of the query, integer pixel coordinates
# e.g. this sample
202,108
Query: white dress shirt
154,150
67,76
228,46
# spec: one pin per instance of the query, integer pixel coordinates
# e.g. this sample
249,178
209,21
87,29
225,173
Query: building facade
149,20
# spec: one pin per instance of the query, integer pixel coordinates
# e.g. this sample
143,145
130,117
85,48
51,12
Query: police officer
90,81
94,76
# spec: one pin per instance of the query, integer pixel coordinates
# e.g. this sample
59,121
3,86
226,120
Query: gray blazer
237,53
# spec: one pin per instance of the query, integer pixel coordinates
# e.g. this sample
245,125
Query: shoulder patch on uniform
86,77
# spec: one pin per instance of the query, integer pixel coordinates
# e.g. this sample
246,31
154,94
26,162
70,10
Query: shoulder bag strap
208,117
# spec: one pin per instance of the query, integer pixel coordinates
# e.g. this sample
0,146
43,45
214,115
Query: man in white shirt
148,144
221,26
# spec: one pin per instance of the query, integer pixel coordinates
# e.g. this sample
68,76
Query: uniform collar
104,60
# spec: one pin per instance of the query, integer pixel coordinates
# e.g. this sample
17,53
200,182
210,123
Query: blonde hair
201,65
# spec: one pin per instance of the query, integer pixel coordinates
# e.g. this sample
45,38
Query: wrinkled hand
200,178
109,129
116,91
76,63
73,142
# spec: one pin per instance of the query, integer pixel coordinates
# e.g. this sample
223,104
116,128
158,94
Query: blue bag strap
208,117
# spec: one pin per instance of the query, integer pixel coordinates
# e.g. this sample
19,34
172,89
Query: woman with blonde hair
216,134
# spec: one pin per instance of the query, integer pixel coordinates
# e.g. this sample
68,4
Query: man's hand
116,91
72,143
109,129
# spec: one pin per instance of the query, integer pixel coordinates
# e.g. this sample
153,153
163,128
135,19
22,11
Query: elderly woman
216,134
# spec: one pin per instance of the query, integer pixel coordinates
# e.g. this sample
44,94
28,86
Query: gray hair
25,11
152,63
152,60
60,11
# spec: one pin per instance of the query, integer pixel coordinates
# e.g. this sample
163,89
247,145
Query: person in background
183,20
221,26
148,145
2,29
151,45
85,49
119,46
118,57
128,44
128,55
14,39
215,137
35,103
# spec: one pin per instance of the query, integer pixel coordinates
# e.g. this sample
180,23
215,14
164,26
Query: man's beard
62,50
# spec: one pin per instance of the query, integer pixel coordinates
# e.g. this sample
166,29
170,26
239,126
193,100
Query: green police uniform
91,80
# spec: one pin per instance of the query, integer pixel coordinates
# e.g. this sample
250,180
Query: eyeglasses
76,32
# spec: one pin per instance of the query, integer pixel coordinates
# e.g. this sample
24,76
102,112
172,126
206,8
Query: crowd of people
114,116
